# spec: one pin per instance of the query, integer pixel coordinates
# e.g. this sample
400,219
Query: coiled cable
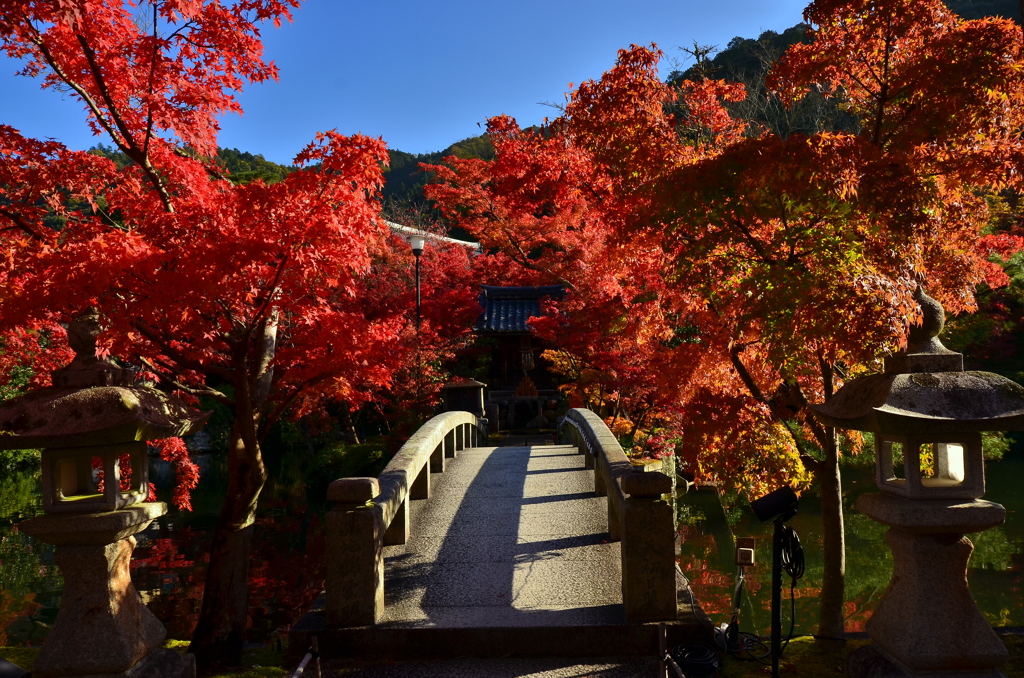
696,661
793,564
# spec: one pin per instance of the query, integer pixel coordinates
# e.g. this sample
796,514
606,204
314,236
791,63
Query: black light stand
417,251
780,505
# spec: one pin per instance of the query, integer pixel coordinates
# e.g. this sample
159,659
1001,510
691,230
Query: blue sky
422,74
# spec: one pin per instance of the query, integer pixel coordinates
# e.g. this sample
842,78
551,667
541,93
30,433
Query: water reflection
30,584
707,529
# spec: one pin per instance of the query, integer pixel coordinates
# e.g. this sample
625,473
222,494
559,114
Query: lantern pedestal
927,623
103,628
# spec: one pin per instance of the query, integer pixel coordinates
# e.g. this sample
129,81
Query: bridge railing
638,517
371,513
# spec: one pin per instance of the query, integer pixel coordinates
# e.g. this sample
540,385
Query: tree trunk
833,581
217,641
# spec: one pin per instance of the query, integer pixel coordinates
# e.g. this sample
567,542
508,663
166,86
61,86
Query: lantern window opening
949,458
890,454
88,479
918,466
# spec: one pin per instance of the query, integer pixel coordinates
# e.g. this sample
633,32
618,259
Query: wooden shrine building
522,394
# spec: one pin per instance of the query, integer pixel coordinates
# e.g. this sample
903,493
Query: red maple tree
253,295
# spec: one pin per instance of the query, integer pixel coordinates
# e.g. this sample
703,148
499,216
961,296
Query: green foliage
992,339
342,460
30,581
23,657
995,445
244,167
807,658
218,426
15,460
747,60
689,514
803,658
404,182
19,378
111,153
743,56
19,486
993,550
257,662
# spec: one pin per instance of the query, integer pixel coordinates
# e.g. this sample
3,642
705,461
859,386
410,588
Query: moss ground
259,662
804,658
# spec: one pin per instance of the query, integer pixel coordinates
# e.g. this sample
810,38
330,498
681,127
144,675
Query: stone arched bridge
463,549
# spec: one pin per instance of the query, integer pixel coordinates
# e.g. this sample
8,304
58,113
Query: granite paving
511,536
612,667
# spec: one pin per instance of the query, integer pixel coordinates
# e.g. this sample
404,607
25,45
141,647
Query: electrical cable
793,564
747,643
696,661
746,646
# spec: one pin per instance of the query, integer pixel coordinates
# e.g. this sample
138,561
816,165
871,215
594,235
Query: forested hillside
975,9
404,181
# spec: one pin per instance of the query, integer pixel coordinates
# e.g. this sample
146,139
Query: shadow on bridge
512,536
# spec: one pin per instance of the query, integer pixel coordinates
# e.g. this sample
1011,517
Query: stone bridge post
648,548
355,553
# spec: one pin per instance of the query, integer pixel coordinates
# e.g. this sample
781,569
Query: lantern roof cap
100,415
926,402
93,402
925,353
926,390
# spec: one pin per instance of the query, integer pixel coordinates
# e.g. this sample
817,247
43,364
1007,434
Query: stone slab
412,642
938,516
871,662
612,667
496,534
92,529
162,663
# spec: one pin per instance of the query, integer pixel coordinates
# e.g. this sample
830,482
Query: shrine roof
508,309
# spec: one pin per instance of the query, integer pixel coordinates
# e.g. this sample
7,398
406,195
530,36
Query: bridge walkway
510,556
511,536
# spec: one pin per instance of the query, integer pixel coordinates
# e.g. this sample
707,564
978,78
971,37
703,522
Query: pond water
287,571
286,575
707,555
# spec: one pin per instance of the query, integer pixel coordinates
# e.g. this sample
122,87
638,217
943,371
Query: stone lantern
85,423
464,395
927,623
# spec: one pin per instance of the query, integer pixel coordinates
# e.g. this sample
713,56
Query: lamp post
417,249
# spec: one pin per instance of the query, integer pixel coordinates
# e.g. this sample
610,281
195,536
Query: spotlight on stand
780,506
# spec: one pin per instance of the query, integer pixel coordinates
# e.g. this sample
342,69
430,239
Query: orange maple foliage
722,276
